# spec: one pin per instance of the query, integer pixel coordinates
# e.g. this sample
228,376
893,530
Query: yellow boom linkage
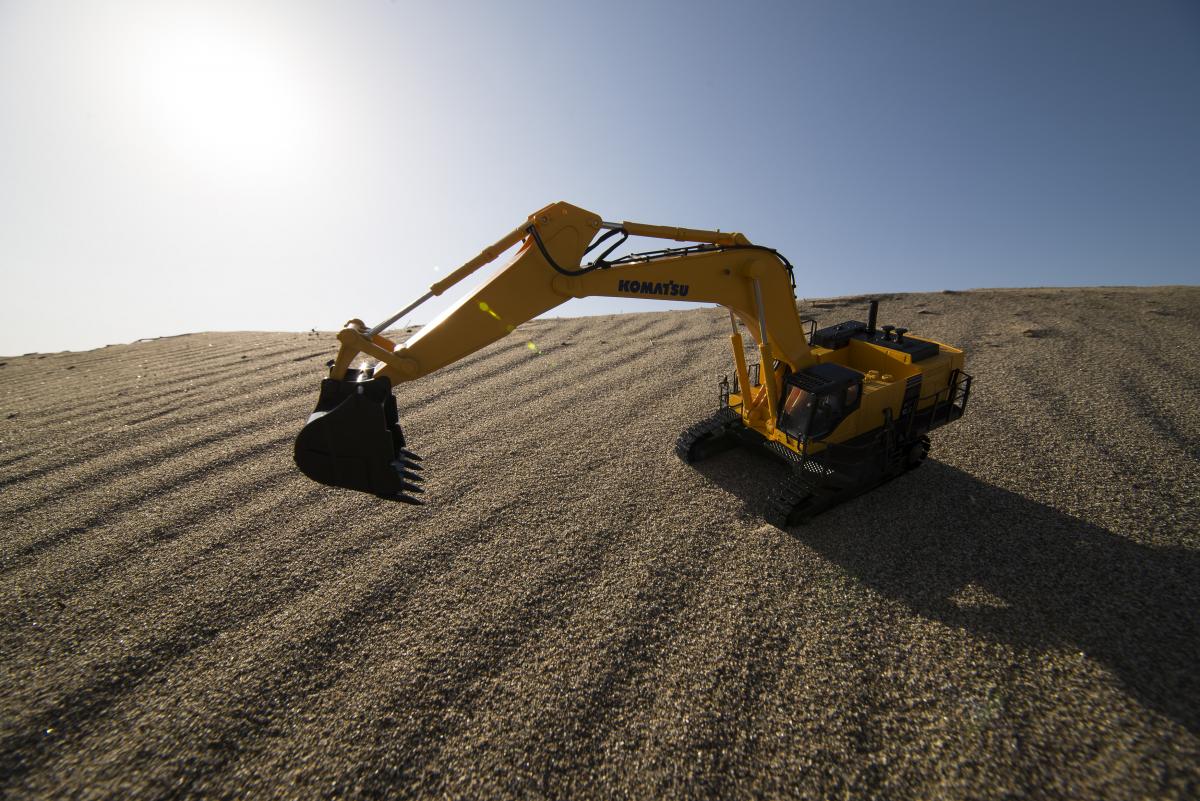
847,408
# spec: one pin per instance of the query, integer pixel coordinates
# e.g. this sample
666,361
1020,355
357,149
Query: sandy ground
578,614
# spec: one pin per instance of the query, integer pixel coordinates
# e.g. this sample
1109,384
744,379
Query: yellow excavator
846,407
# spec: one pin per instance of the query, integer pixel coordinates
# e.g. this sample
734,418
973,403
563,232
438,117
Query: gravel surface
578,614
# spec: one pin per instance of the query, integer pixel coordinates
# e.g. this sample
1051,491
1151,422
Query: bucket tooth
409,476
404,474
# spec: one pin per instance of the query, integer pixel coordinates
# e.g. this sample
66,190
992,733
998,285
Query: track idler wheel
915,453
353,440
712,435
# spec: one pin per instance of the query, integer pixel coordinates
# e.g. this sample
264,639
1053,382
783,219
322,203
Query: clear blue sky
169,166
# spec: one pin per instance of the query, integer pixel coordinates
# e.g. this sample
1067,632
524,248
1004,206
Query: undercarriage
835,474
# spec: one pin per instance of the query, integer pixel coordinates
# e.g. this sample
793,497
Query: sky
169,167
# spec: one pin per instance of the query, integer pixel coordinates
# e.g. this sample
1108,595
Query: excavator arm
353,439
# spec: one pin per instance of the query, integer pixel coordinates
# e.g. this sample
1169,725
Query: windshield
797,408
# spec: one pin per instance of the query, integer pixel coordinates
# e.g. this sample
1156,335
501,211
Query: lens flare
508,328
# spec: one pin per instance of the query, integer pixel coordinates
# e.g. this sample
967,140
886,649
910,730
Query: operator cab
817,399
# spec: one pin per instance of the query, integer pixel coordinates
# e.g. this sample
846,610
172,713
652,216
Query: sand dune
576,613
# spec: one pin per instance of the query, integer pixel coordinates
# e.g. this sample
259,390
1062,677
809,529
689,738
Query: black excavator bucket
353,440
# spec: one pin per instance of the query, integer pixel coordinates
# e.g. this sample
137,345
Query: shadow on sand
1003,567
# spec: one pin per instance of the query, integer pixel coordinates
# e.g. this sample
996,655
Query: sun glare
220,98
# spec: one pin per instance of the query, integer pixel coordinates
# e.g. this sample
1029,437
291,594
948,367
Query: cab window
852,393
797,398
827,415
797,407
